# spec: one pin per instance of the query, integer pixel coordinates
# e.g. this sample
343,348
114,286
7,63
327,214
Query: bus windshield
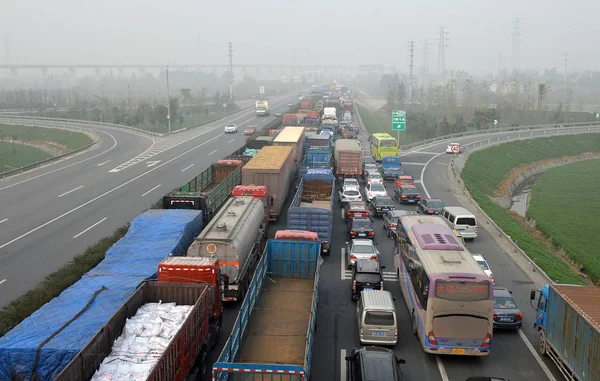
387,143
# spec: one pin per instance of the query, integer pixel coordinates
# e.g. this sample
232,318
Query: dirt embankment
52,148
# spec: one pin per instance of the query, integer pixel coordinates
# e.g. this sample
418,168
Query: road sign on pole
261,89
597,115
495,122
455,148
398,120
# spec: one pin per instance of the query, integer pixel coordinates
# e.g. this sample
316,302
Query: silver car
349,193
358,249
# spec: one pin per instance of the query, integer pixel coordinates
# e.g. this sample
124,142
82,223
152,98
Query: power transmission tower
411,78
566,56
442,39
425,57
516,44
230,72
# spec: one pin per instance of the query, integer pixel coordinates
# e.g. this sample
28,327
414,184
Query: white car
484,266
231,128
449,148
351,183
375,190
374,178
350,193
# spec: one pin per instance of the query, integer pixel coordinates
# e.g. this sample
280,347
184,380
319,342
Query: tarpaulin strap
39,348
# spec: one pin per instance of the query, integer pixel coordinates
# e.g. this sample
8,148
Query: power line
230,49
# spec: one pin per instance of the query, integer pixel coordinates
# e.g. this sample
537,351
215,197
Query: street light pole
168,100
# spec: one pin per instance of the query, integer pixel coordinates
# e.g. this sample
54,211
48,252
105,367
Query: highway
50,214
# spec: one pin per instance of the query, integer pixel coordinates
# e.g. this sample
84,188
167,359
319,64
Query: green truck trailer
208,191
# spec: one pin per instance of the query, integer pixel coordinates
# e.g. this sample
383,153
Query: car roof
367,266
359,219
411,187
478,257
373,173
501,291
397,213
356,204
383,198
351,187
366,242
433,199
405,177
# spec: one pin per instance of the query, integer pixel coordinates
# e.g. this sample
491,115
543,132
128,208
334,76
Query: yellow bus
383,144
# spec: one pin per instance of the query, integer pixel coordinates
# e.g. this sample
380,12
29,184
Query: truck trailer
568,322
391,167
273,335
236,237
295,138
312,207
315,158
262,107
208,191
348,158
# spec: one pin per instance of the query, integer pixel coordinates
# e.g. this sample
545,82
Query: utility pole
168,99
516,44
443,38
426,57
566,63
411,78
230,72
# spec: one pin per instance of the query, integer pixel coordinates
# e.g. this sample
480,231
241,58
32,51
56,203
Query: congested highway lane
39,240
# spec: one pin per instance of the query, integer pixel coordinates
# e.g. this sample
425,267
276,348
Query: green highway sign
597,115
398,120
495,122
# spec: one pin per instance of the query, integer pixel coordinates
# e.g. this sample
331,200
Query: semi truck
312,207
295,138
330,113
257,191
236,237
208,191
262,107
274,168
197,335
391,167
568,322
315,158
348,158
273,335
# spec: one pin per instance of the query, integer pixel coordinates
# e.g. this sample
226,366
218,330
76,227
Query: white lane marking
411,163
66,166
441,369
152,163
94,225
342,213
343,264
2,281
343,369
536,356
106,193
231,141
4,220
213,152
72,190
188,167
104,162
151,190
423,173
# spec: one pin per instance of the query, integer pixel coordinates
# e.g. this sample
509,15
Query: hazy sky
305,32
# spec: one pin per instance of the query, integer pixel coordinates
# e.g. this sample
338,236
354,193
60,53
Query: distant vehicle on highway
449,148
430,206
290,105
250,130
279,114
231,128
506,312
484,266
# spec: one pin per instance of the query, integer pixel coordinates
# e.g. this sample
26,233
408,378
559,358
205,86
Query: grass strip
55,283
71,139
377,121
565,203
19,155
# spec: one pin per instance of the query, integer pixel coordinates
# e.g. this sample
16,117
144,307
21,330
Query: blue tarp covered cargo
151,237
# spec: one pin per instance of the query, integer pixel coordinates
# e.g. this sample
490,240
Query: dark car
355,209
366,275
381,205
506,312
360,228
407,194
390,219
430,206
373,363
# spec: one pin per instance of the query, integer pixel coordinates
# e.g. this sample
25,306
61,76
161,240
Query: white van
461,220
377,323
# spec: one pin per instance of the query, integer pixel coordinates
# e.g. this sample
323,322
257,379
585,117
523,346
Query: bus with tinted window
448,295
383,144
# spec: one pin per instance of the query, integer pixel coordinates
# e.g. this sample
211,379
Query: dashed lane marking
94,225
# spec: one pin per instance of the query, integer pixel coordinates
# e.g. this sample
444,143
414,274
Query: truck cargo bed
277,330
316,204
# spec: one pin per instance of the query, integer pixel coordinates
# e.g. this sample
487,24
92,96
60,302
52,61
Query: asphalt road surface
50,214
514,353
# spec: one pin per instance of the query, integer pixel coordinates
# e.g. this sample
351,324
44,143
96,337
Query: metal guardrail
485,143
39,163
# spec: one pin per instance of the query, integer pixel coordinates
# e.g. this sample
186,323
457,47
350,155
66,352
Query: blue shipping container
276,337
63,327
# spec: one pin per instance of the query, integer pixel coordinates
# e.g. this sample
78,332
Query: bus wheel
542,343
414,324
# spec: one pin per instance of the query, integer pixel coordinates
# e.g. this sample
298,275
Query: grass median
13,156
486,170
57,282
72,140
377,121
565,203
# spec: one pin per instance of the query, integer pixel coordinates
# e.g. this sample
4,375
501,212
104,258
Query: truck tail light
486,341
353,285
431,338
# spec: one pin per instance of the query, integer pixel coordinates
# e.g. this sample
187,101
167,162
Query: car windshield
230,125
363,249
352,183
483,265
361,223
368,277
379,318
504,302
374,176
377,188
383,201
351,192
410,190
435,204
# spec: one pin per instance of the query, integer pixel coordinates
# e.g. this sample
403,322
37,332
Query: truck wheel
542,344
203,366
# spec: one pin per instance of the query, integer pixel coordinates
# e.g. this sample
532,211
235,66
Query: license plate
505,319
384,210
378,333
458,351
461,230
367,289
361,235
